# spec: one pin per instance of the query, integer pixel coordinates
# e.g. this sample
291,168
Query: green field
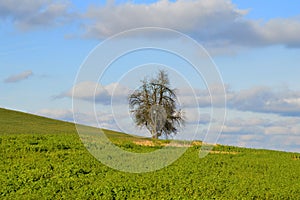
45,159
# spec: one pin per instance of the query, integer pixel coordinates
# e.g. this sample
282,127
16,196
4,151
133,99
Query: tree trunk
154,135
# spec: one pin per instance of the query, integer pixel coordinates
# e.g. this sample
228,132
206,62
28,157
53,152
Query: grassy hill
44,158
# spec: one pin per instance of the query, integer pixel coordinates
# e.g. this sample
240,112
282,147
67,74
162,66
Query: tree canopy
154,106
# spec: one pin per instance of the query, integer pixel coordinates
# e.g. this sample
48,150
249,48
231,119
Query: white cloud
190,98
19,77
256,131
91,91
250,122
266,100
111,19
214,23
286,129
262,126
103,120
27,14
283,31
275,130
217,24
193,117
63,114
284,102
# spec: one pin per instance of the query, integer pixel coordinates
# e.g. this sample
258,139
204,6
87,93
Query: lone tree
153,106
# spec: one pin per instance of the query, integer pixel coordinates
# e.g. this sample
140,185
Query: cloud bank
27,15
95,92
260,132
284,102
63,114
213,23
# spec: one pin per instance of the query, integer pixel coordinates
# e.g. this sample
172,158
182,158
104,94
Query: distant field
45,159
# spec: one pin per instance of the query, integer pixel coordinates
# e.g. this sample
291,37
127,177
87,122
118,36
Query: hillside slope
44,158
15,122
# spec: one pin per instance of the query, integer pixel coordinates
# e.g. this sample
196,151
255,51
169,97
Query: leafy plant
72,173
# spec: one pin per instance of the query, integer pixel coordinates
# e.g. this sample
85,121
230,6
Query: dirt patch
196,143
151,143
177,145
174,144
296,158
144,143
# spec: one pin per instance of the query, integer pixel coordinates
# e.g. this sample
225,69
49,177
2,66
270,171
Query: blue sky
255,45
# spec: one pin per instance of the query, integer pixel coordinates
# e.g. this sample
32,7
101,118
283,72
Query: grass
44,158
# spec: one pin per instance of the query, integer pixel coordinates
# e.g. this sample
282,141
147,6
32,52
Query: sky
255,46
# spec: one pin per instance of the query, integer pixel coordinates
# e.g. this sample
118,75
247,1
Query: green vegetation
45,159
